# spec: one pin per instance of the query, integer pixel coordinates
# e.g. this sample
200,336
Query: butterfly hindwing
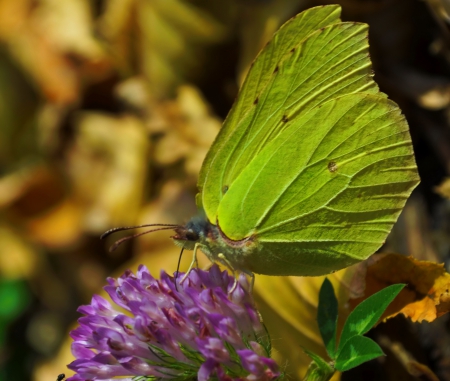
337,177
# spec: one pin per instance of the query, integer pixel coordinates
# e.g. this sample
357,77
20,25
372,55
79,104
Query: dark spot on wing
285,119
293,50
332,166
276,69
225,189
255,102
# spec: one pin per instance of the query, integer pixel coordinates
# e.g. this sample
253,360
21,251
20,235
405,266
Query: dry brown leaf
108,167
190,130
20,259
289,304
426,296
45,39
35,190
13,185
162,34
58,227
38,202
411,365
443,189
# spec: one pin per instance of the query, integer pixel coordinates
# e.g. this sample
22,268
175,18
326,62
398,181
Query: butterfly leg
252,282
225,261
193,262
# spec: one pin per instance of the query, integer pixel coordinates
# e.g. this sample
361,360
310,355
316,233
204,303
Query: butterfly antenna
122,240
178,268
113,230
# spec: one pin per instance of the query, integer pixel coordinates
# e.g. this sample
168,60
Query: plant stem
319,372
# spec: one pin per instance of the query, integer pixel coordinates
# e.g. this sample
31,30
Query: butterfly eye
191,235
225,189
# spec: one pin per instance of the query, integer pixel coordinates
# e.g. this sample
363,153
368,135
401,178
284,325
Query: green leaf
14,297
356,351
319,369
327,315
367,313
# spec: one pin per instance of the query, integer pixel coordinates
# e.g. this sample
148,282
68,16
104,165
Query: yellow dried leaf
58,227
190,131
19,260
108,166
45,38
426,296
162,34
443,189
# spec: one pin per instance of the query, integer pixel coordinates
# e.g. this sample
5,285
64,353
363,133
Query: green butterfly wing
326,191
219,169
312,160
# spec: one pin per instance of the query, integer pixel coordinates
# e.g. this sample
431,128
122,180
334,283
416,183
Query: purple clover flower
195,331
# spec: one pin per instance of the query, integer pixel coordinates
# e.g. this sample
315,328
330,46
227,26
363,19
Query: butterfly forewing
328,63
288,37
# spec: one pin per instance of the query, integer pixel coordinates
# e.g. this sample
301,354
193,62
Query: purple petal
80,351
207,370
213,348
261,367
163,322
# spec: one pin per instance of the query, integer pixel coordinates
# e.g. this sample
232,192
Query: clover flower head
195,330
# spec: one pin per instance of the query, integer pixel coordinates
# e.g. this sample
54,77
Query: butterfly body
216,245
251,255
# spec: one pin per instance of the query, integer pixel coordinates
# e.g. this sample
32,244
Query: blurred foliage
107,109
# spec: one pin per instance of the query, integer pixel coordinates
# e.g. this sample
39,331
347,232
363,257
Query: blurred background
107,109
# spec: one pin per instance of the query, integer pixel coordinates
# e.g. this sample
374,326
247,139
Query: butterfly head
194,231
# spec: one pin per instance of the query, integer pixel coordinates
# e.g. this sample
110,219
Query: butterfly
313,164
